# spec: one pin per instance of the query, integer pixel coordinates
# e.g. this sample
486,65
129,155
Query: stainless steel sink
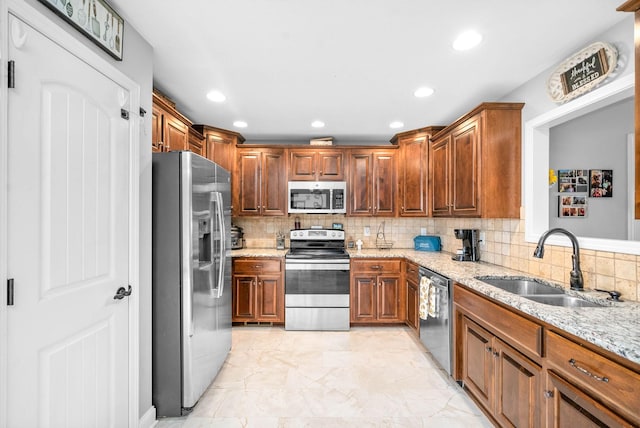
563,300
538,292
521,286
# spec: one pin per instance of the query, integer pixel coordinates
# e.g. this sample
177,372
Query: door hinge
10,292
124,114
11,71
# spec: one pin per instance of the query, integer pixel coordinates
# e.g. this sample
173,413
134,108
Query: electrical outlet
482,239
367,231
423,231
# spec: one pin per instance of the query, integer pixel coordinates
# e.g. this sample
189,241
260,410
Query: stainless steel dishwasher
435,323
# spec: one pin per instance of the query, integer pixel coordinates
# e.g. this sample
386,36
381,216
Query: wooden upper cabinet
634,7
414,174
169,129
259,182
316,165
372,182
475,164
220,145
196,142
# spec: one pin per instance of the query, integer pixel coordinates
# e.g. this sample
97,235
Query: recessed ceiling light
240,124
467,40
423,92
216,96
317,124
396,124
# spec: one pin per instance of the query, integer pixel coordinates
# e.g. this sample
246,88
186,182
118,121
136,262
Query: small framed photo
573,180
601,183
95,19
572,206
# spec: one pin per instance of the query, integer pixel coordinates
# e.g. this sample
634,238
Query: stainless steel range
317,281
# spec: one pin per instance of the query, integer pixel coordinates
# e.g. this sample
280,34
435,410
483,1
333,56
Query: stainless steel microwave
317,197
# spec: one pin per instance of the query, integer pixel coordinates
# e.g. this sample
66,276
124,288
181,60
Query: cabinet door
363,298
274,182
330,165
390,303
360,172
244,297
519,387
176,134
413,300
270,295
568,407
440,169
302,165
196,143
477,362
246,183
156,130
219,150
465,153
412,173
384,184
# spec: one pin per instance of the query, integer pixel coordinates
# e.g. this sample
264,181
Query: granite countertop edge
614,327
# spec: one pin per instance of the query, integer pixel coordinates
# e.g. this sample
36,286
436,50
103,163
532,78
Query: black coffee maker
469,251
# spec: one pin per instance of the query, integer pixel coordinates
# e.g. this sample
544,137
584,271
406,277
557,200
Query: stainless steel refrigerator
191,291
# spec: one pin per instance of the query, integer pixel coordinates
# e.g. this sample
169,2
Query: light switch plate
367,231
423,231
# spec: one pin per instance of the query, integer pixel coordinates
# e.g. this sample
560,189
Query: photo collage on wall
575,185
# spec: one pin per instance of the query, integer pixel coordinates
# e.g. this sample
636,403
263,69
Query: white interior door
68,239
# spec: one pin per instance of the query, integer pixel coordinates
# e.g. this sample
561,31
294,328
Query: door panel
68,240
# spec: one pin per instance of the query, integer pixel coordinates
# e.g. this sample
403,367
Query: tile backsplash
503,245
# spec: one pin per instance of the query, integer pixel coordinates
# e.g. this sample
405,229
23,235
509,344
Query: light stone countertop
615,327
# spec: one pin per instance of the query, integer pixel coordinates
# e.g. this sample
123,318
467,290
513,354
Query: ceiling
353,64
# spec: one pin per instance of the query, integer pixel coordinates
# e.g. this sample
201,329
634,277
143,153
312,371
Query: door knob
122,293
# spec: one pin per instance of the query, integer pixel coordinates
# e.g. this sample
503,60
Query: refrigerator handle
223,239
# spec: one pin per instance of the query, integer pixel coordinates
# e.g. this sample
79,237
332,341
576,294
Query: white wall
534,92
137,64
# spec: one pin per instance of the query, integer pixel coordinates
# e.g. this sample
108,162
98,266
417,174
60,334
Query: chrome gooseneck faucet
575,276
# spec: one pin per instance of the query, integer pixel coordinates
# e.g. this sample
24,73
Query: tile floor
366,377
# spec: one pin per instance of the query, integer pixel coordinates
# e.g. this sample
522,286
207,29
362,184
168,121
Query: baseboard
148,420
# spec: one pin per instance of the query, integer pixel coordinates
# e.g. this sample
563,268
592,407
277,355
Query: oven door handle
317,266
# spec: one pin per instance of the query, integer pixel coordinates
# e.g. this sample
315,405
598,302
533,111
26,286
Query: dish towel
423,308
433,304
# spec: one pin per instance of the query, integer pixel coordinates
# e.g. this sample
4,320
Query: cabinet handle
253,283
573,364
257,267
496,354
489,349
548,394
376,267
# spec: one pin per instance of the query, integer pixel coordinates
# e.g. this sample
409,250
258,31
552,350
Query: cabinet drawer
411,270
526,335
257,265
376,265
604,379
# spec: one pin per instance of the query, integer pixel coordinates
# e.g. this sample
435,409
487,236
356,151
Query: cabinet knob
489,349
548,394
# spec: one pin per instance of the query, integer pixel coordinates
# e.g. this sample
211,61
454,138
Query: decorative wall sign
601,183
95,19
572,206
582,72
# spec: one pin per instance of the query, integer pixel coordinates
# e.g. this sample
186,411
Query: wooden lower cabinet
501,379
411,280
568,407
258,290
500,360
376,292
